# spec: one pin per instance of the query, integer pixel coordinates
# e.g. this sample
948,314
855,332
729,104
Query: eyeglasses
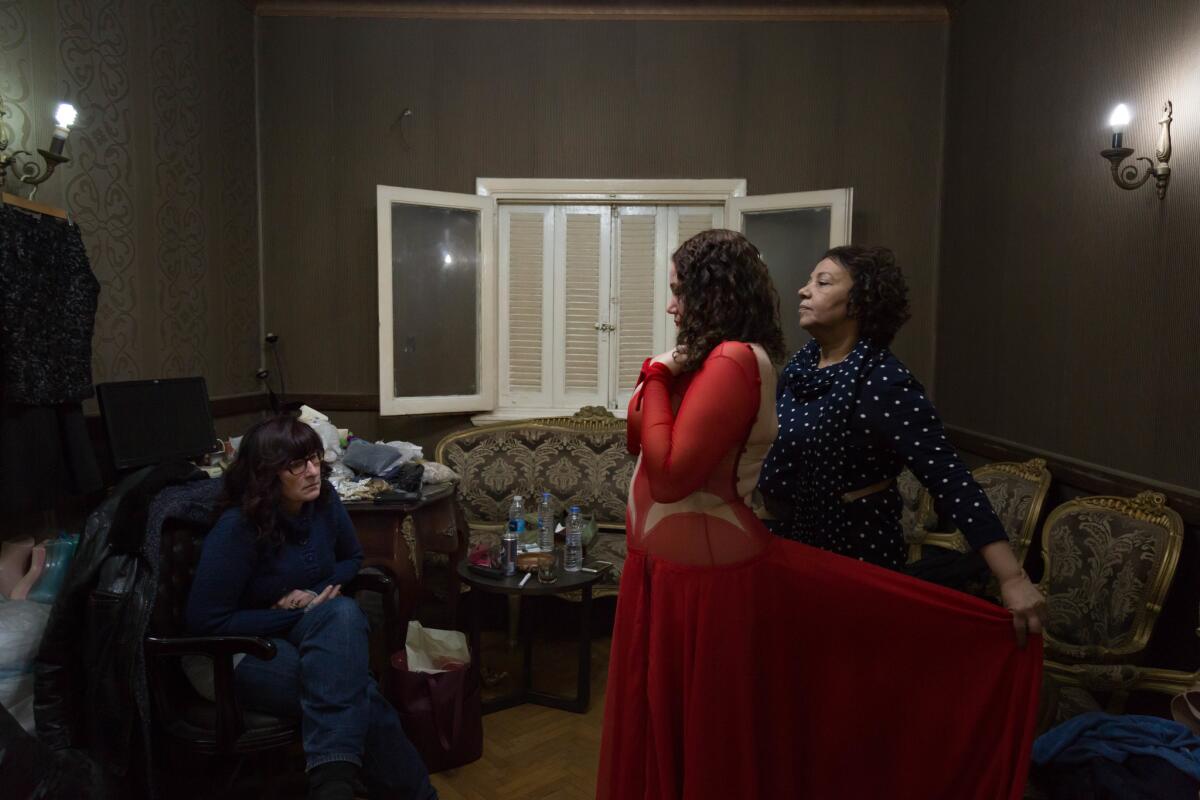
298,466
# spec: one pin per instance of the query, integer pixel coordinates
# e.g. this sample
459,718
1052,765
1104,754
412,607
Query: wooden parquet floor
530,751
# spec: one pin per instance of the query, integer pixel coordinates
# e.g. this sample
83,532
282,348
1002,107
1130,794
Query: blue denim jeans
320,676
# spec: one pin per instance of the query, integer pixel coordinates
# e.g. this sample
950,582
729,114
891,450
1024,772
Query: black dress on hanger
48,299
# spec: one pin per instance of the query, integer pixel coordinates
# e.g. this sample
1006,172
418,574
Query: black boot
333,780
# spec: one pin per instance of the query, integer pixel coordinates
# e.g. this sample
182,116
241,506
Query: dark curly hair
879,296
252,482
727,295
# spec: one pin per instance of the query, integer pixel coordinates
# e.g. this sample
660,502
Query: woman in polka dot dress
851,417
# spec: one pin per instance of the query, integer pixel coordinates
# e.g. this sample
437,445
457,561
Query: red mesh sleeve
679,451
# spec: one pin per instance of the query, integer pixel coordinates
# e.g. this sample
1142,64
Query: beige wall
1070,309
162,174
788,106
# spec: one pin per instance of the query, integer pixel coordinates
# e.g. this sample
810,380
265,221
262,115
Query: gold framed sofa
581,460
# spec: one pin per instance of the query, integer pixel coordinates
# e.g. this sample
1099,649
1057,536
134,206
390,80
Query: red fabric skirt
804,674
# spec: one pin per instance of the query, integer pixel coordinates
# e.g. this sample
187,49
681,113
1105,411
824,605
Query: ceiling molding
794,11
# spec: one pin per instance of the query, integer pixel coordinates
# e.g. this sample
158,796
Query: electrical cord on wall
264,375
273,341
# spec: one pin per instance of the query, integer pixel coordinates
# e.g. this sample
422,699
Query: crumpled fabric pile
361,471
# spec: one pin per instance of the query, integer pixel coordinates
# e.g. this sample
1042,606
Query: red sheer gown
748,666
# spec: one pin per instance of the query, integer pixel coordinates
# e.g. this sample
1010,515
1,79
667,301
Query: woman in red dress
748,666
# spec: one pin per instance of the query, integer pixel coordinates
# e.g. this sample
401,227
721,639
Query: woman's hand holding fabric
1027,604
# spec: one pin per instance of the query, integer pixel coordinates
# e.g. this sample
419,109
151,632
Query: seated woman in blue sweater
273,566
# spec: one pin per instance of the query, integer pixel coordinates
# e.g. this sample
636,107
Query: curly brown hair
727,295
252,482
879,296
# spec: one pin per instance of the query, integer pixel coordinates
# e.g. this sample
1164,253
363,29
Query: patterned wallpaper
162,173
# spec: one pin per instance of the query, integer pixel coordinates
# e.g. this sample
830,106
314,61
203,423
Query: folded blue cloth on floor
1099,735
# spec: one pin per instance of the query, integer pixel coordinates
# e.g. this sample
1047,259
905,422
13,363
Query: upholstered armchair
581,460
1109,564
191,728
1017,491
916,511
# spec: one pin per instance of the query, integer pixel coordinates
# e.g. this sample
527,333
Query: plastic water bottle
573,554
516,526
545,524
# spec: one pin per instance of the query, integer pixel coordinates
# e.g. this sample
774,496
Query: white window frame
625,191
490,193
839,201
485,398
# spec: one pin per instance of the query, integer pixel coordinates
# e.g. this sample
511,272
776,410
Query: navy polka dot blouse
852,425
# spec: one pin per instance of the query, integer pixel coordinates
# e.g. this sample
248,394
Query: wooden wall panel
1068,307
788,106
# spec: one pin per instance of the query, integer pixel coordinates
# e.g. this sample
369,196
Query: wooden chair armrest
213,646
230,724
380,580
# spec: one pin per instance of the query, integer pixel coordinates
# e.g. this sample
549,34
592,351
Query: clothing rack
32,205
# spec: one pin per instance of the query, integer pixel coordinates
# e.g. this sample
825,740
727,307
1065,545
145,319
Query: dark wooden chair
192,729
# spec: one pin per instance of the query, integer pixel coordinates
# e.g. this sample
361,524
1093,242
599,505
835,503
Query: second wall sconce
1127,176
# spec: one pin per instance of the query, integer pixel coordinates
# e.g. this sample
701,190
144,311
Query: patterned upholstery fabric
1013,496
1107,573
1015,490
1062,701
583,464
590,469
915,509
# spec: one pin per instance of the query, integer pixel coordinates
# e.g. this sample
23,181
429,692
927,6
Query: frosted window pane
792,242
435,300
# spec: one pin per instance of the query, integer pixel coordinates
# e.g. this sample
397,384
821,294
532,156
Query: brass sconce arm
29,172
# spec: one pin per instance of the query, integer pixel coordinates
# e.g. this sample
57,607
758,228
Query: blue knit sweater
238,579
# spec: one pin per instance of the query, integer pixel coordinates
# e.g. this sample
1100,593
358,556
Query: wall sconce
1127,176
29,172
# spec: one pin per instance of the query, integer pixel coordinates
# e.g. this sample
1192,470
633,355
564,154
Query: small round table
567,582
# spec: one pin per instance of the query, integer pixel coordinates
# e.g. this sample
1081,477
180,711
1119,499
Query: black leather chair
192,727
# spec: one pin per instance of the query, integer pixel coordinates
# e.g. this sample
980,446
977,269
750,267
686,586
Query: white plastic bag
16,695
329,439
22,623
434,650
438,473
408,451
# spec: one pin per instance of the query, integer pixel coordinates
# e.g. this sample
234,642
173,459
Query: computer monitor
150,422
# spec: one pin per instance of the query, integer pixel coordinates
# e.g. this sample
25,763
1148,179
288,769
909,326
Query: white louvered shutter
526,305
582,240
639,294
687,221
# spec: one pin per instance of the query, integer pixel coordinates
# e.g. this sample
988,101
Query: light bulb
65,115
1119,118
